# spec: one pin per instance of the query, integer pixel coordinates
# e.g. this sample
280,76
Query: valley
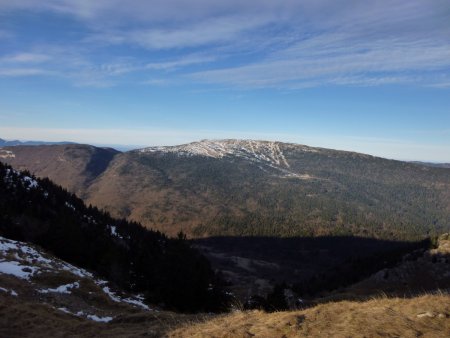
270,226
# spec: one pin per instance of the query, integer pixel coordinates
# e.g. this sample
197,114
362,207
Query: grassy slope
425,316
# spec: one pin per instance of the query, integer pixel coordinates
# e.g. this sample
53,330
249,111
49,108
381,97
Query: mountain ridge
11,143
247,187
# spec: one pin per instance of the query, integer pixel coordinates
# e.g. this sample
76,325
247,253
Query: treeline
168,271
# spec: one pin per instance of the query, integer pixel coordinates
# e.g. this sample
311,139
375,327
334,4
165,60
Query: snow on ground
11,292
15,257
136,300
70,206
139,301
81,314
31,182
62,289
6,154
96,318
111,294
266,153
17,270
259,151
114,232
22,261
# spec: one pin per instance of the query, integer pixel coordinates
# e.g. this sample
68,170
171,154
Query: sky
366,76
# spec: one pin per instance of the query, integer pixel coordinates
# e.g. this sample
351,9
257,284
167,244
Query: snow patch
265,154
62,289
137,301
31,182
6,154
96,318
113,230
257,151
81,314
25,257
70,206
22,261
17,270
11,292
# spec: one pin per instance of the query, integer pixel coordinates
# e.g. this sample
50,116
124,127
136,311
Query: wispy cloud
20,72
340,60
265,43
25,58
187,60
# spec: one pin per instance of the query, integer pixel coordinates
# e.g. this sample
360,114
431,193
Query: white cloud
25,58
338,60
264,43
20,72
187,60
226,29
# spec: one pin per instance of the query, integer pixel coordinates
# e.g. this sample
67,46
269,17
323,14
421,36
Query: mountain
244,187
11,143
167,271
72,166
436,165
67,269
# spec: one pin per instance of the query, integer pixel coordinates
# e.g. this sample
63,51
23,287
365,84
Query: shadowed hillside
73,166
311,266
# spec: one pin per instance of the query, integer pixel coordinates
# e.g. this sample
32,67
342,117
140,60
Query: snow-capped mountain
258,151
265,152
224,186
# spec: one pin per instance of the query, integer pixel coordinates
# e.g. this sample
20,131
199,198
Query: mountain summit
266,152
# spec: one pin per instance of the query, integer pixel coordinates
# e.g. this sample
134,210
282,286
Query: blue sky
369,76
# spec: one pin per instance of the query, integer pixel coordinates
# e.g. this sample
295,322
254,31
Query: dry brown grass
19,318
425,316
33,315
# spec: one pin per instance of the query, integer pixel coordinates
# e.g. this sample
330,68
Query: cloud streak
245,44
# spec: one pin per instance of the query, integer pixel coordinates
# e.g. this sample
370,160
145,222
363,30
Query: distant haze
135,139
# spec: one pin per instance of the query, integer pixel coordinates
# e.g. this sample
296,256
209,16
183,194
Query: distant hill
73,166
435,165
250,188
11,143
